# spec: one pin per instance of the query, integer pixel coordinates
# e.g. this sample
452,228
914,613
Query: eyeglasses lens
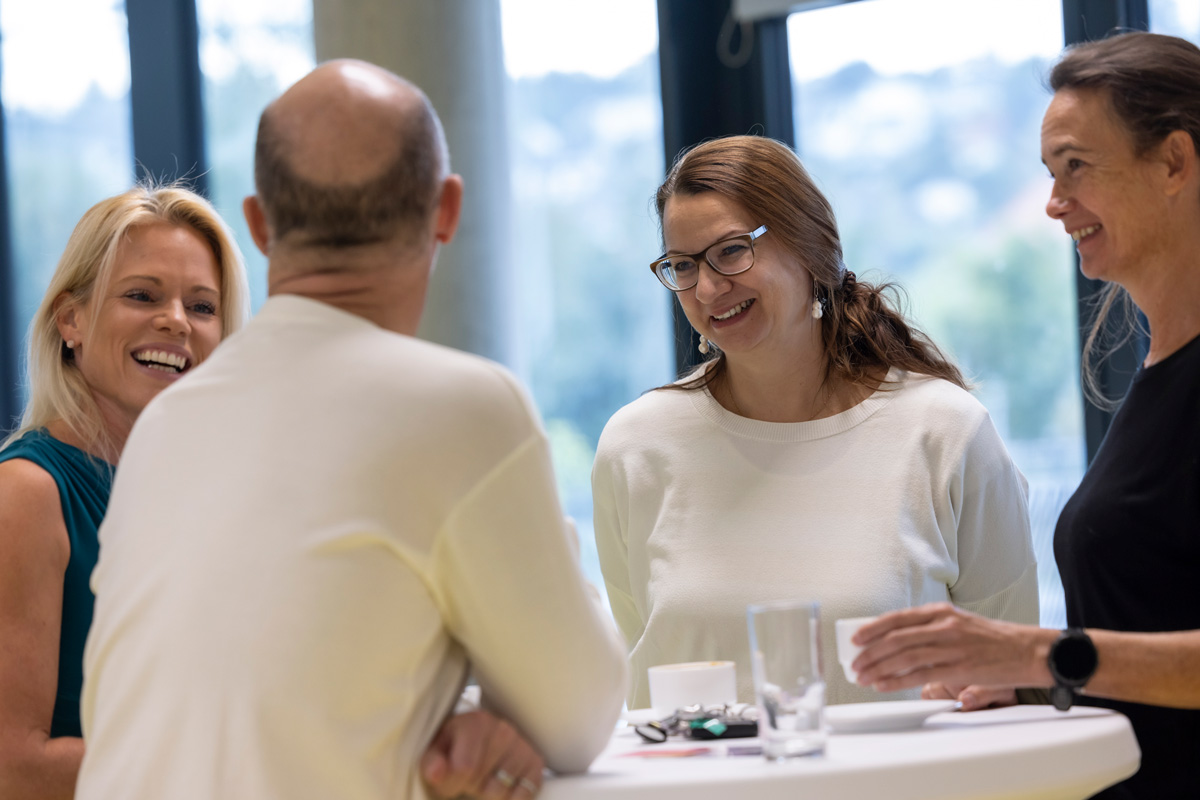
728,257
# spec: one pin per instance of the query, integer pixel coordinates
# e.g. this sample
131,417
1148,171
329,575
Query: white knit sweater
908,497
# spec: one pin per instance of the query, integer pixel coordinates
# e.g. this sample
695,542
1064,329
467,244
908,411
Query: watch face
1074,658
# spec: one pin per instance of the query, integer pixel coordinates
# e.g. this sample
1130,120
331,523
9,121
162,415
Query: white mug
706,683
846,650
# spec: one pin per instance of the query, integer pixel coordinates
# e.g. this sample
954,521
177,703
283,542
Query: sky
63,47
606,37
54,51
950,31
598,37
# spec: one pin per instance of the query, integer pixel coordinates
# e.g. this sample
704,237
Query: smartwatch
1072,662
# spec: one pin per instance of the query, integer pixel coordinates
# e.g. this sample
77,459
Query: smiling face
1107,197
156,318
763,314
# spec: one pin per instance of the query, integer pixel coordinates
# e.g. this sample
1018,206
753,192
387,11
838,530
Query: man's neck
392,297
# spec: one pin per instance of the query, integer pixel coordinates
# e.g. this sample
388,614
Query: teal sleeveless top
84,484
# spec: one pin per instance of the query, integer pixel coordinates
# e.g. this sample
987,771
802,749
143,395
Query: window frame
703,98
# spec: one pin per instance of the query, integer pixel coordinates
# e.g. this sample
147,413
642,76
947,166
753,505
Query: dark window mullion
10,338
1088,20
705,97
168,115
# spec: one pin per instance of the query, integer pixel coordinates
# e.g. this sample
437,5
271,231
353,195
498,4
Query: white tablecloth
1026,752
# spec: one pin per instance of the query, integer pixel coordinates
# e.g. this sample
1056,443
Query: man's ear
256,221
449,209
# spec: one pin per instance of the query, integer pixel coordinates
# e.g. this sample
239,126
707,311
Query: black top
1128,547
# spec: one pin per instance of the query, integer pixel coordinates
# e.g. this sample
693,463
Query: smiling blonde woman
149,283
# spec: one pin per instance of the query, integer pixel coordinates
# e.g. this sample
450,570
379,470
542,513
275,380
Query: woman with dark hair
825,449
1121,139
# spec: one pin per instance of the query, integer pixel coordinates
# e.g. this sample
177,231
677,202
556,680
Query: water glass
785,655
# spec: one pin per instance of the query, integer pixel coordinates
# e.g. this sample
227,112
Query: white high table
1026,752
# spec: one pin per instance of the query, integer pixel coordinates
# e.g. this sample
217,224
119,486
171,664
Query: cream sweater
310,540
907,498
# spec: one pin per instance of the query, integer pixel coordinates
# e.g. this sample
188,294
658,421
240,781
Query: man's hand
481,756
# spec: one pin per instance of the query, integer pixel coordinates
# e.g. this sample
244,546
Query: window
921,121
67,127
586,144
250,51
1176,17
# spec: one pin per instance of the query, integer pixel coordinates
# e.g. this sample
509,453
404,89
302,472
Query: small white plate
895,715
638,716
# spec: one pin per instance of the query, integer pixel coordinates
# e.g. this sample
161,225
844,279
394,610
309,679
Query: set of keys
735,721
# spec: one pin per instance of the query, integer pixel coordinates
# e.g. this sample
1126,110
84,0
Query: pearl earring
70,344
817,311
703,348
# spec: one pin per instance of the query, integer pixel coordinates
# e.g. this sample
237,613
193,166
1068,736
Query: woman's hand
941,644
481,756
971,698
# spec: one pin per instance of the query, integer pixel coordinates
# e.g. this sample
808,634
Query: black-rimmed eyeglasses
728,257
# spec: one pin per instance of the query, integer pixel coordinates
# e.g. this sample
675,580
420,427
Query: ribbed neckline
714,412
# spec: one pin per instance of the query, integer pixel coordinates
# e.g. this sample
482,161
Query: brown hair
1152,83
400,199
862,332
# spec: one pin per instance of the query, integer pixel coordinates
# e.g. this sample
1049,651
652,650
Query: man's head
349,157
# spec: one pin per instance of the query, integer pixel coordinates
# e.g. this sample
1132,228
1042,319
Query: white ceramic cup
707,683
846,650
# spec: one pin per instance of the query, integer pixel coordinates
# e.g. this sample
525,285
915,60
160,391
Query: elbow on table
585,724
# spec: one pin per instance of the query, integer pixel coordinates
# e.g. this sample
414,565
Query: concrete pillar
452,49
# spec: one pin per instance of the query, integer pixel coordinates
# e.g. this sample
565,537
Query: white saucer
895,715
637,716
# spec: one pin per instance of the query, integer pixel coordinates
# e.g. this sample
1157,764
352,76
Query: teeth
1082,232
739,308
167,362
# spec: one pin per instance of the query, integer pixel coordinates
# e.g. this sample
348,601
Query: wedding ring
528,786
506,780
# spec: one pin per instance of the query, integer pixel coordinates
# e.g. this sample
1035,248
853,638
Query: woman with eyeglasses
825,449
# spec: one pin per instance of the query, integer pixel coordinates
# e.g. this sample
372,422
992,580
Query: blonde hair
57,390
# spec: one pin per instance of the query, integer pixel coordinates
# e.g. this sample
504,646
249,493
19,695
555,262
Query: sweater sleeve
514,596
997,571
610,517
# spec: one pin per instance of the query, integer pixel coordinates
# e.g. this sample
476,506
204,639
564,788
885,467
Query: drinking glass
785,655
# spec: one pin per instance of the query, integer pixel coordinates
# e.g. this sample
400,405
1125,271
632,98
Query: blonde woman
150,282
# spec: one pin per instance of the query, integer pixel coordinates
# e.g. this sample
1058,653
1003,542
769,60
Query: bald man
315,536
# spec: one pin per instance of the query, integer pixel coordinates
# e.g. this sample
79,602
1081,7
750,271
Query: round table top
1026,752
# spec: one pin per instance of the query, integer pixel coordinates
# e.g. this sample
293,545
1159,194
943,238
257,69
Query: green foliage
1010,315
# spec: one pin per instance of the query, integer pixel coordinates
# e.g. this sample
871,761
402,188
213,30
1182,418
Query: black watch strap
1072,661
